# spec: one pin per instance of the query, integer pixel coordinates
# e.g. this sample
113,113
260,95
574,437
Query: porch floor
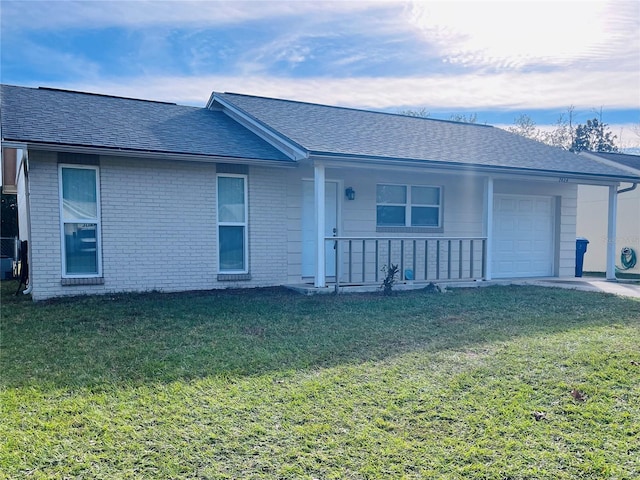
620,287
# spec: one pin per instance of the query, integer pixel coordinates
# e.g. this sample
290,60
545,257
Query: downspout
628,189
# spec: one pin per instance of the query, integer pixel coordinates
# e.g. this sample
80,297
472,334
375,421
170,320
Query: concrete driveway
622,288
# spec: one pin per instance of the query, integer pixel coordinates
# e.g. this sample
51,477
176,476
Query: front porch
360,264
476,227
364,261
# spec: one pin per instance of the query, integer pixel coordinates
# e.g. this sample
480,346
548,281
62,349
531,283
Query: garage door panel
541,224
522,236
543,206
525,206
506,246
524,245
541,246
508,224
508,205
525,224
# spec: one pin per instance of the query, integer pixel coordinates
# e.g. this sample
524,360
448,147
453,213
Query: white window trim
97,221
244,224
407,207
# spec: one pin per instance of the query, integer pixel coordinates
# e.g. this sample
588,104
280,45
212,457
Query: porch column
488,227
611,232
319,188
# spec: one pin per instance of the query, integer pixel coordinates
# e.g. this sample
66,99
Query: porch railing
362,260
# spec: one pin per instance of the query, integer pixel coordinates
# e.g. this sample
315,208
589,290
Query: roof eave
561,175
146,154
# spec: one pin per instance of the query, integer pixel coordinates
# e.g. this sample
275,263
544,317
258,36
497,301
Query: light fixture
350,193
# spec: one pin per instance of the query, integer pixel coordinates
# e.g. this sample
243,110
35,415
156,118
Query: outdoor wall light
350,193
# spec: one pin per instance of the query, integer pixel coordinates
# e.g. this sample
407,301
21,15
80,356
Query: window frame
97,221
408,227
244,224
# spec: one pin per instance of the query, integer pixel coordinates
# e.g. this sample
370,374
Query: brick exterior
159,222
158,227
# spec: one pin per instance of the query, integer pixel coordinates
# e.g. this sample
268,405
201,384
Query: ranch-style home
118,194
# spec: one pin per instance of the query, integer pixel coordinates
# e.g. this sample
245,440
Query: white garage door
522,236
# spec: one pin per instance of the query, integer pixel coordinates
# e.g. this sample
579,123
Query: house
591,224
119,194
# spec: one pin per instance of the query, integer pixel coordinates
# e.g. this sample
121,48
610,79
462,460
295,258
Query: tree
526,127
9,216
462,117
422,113
594,136
562,134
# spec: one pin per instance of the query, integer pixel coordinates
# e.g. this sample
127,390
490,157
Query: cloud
455,56
507,91
62,14
61,63
516,34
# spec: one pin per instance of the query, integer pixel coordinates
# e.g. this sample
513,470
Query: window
232,223
80,221
408,206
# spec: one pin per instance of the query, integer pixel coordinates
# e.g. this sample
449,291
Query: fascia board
333,161
188,157
274,138
18,145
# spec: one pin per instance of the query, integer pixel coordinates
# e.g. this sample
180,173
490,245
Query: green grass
269,384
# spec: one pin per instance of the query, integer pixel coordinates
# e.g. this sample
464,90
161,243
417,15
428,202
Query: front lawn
473,383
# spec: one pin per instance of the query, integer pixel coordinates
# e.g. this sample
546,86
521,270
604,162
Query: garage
523,243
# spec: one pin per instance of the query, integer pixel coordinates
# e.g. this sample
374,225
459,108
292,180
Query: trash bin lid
582,239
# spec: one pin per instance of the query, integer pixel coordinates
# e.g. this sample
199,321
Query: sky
492,59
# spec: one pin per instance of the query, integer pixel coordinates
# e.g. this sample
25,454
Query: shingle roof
323,129
632,161
40,115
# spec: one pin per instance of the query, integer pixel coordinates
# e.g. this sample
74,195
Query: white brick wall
158,227
159,221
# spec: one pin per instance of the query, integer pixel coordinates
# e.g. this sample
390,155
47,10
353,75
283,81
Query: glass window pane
230,199
391,194
391,216
79,194
424,216
81,248
425,196
231,248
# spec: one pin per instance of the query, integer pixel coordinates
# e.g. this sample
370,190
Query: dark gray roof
323,129
40,115
632,161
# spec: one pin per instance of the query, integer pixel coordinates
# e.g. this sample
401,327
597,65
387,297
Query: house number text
564,179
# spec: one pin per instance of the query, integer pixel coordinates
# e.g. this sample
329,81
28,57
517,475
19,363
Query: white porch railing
361,260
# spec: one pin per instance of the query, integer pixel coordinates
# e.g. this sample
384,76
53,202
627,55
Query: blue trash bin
581,249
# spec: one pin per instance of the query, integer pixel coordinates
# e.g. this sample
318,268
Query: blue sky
493,59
